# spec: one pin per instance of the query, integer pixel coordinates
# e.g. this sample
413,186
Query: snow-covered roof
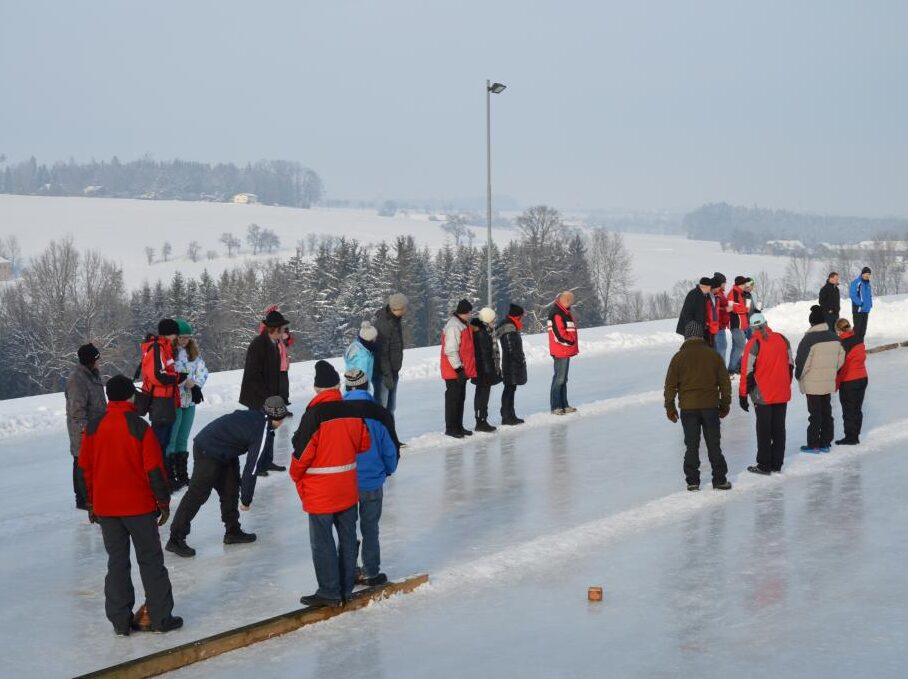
790,244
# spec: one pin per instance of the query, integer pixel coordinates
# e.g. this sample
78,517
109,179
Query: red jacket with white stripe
325,447
766,368
562,331
739,312
457,349
159,376
855,365
722,304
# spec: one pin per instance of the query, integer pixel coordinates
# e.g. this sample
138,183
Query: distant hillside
746,229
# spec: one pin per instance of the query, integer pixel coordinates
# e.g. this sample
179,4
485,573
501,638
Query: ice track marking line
174,658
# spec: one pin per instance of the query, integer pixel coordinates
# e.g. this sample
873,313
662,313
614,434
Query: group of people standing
830,357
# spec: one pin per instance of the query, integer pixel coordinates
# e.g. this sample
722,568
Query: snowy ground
126,227
797,575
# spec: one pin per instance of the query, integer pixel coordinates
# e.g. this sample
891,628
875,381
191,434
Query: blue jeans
384,396
162,432
558,396
335,564
738,340
369,516
721,344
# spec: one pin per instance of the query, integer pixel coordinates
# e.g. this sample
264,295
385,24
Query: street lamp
491,88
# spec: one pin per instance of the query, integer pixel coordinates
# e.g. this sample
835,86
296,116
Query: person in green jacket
697,376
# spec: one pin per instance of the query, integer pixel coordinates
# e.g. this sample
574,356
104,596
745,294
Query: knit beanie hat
706,280
866,269
515,310
120,388
354,378
275,408
719,279
326,376
693,329
487,315
816,315
183,327
398,301
757,320
367,331
168,326
463,307
740,280
88,354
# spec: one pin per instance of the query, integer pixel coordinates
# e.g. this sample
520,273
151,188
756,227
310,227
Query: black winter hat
706,280
463,307
120,388
866,269
515,310
88,354
275,319
816,315
326,376
720,278
740,280
168,326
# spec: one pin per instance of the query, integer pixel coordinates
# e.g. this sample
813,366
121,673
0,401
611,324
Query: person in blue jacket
216,455
361,352
861,302
372,468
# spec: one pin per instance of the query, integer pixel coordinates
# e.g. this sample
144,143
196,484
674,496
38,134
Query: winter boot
725,485
170,623
693,486
454,434
756,469
466,432
318,601
275,467
847,441
376,580
484,426
236,536
179,547
811,449
558,411
569,409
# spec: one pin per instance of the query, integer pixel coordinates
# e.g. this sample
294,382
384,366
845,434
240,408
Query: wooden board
883,347
209,647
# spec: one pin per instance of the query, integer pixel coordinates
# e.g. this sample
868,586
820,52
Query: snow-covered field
797,575
122,229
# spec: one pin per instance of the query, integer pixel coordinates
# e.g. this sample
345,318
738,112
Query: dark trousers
860,321
481,401
370,502
81,500
335,564
455,395
119,595
283,388
771,436
162,432
507,401
707,421
820,426
851,396
831,318
209,473
266,459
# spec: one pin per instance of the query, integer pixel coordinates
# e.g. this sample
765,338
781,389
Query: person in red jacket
851,382
563,344
325,445
720,339
458,364
160,381
739,321
766,371
122,470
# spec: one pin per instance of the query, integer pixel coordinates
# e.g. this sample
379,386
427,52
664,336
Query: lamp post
491,88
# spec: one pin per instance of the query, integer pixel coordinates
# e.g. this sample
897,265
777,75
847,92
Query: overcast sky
635,104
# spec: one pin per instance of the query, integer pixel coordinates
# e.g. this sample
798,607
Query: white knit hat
487,315
367,331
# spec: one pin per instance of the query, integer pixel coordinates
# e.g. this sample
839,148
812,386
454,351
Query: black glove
745,404
163,513
461,375
197,394
182,377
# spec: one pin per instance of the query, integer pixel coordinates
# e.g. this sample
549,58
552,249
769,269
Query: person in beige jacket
819,357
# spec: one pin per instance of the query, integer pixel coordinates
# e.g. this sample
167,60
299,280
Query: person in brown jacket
698,377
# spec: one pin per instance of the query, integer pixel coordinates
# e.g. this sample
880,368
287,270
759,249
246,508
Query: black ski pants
771,436
707,421
455,396
860,321
507,401
851,396
81,500
832,318
481,401
119,595
820,425
209,473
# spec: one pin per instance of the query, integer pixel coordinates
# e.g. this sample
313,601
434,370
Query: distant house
93,191
245,198
785,247
6,269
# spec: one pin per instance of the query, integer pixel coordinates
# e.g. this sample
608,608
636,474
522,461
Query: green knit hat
184,327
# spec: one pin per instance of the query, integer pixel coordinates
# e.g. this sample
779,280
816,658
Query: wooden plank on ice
209,647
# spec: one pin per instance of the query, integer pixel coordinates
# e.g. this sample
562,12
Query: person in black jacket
389,350
694,308
513,362
488,366
262,376
216,466
831,300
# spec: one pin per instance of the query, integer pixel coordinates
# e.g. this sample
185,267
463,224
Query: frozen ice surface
796,575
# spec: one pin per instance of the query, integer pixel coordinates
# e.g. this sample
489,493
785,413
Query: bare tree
166,249
540,225
610,266
884,256
254,237
269,240
211,254
149,254
10,249
194,250
456,226
799,279
229,241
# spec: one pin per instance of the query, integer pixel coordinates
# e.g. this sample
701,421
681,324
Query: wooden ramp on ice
209,647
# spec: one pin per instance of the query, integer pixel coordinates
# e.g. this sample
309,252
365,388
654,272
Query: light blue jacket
862,294
197,372
358,356
380,461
